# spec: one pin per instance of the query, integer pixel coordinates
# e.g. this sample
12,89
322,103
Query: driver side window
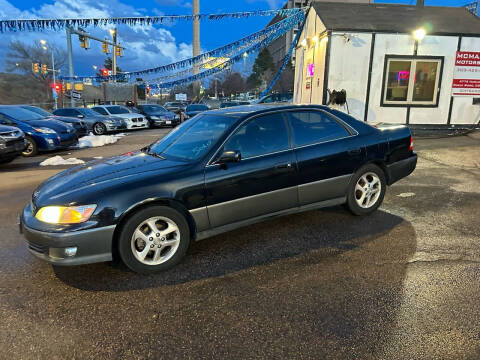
260,136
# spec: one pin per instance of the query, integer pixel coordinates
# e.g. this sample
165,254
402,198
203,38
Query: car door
327,153
262,182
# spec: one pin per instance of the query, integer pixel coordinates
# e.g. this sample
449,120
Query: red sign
466,77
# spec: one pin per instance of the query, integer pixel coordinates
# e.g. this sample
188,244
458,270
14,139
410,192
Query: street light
419,34
44,47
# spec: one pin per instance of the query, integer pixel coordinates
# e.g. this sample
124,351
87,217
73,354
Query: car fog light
70,251
50,141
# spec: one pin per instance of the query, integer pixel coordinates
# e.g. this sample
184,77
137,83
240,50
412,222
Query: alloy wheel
367,190
28,149
155,240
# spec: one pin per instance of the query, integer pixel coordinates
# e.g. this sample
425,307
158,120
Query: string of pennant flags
228,63
16,25
280,27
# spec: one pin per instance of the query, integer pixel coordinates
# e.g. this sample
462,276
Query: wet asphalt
402,283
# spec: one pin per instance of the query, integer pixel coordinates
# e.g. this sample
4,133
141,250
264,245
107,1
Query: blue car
41,134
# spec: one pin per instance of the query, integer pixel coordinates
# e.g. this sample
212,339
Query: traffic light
118,51
44,69
104,71
35,68
105,47
57,87
83,41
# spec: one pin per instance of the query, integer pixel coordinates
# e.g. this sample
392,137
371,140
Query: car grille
137,120
14,142
42,249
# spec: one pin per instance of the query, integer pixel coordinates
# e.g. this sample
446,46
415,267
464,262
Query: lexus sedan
216,172
96,123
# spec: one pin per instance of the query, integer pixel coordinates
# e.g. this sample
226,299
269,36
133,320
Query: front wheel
30,148
366,190
99,129
154,239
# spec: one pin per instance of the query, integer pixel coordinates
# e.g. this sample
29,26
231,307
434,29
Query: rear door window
310,127
100,110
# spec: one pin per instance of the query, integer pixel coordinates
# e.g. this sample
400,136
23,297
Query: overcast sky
146,47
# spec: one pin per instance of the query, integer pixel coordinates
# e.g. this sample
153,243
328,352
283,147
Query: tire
362,199
99,129
159,249
31,148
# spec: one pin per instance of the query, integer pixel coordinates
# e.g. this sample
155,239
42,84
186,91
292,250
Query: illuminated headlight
65,214
45,130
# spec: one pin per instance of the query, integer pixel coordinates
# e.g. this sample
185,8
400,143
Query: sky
152,46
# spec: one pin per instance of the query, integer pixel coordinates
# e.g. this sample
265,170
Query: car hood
56,125
128,116
168,114
101,173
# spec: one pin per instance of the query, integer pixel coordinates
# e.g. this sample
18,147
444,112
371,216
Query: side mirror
80,116
230,156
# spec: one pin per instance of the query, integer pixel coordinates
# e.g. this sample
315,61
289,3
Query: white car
133,120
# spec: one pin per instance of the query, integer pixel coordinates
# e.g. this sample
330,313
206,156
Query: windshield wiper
147,150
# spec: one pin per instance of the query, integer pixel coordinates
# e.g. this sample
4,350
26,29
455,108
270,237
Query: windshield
20,114
153,108
194,138
117,110
198,107
88,112
37,110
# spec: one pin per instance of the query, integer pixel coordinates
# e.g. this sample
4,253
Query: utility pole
196,42
114,55
70,59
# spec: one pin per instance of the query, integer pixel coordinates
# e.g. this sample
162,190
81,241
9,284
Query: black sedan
218,171
195,109
157,115
12,143
79,125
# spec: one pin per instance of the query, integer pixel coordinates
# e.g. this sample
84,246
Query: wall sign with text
466,76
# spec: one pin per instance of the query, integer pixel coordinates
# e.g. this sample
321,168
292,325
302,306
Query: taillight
411,144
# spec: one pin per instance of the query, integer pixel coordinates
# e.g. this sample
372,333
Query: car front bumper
92,245
401,169
114,127
162,122
13,148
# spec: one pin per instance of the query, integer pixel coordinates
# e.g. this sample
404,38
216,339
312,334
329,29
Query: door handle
283,166
354,151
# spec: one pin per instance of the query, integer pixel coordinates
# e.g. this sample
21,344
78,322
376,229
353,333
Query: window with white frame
412,81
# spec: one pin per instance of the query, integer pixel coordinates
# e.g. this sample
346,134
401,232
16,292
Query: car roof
254,109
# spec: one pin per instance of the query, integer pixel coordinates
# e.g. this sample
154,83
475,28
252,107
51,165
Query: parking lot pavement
402,283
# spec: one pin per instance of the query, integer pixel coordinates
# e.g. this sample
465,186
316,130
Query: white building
370,50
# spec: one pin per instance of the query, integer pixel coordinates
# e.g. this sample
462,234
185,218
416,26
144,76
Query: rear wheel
154,239
30,148
366,190
99,129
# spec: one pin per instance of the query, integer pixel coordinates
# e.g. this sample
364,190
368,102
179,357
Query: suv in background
12,143
95,122
78,124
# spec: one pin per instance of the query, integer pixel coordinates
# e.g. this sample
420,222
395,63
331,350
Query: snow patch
98,140
58,160
407,194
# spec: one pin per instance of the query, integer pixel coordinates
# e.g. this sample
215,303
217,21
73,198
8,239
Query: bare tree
20,57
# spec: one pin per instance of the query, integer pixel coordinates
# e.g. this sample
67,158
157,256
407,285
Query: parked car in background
157,115
79,125
276,98
194,109
221,170
41,134
175,106
132,120
96,123
227,104
12,143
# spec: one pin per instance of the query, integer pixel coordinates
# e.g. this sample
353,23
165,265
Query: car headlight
154,118
45,130
3,143
65,214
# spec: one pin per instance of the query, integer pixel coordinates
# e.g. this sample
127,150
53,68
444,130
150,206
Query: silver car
96,123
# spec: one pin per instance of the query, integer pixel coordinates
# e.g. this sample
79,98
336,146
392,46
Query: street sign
181,97
76,95
466,76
